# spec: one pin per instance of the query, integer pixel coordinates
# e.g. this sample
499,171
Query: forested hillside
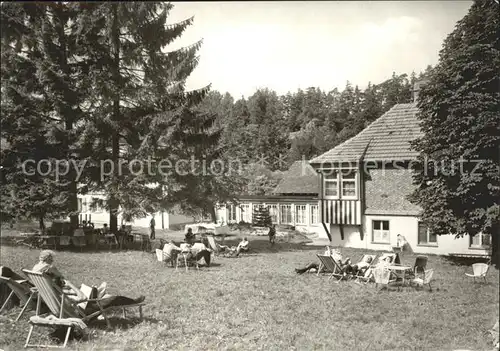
267,132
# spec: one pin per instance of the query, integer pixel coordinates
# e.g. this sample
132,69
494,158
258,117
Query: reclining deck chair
331,266
23,291
479,270
60,305
366,274
419,267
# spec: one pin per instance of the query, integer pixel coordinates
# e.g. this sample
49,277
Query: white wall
163,220
406,226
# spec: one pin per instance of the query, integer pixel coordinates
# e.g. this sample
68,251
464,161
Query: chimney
417,87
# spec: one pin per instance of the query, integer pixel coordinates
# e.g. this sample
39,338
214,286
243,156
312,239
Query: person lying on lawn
46,265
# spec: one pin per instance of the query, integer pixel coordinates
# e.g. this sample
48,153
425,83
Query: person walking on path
152,228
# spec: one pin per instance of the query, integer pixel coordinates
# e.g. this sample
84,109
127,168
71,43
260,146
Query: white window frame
231,213
428,235
274,213
381,231
349,180
330,178
480,245
283,218
246,213
339,181
302,217
313,215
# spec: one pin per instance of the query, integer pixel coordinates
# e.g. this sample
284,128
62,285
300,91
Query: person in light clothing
244,245
170,251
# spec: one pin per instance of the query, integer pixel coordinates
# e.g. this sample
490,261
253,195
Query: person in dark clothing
189,237
152,228
272,234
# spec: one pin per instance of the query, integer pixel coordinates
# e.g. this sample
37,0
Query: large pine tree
40,107
138,102
458,177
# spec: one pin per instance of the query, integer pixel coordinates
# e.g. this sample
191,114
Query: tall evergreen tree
458,177
41,102
139,95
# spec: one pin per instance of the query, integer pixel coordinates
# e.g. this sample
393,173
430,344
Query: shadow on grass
465,261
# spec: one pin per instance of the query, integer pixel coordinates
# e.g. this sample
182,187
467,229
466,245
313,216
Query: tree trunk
41,223
113,201
494,246
68,115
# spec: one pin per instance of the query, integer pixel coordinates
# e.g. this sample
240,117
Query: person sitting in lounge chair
46,265
243,246
170,251
313,267
199,251
347,268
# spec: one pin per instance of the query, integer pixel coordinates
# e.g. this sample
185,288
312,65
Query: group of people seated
46,265
198,250
349,269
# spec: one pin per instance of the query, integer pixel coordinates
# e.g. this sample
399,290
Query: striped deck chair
22,289
62,306
331,266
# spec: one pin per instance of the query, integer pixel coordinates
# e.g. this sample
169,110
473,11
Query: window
97,207
480,241
300,214
349,184
273,212
314,214
341,183
286,214
425,237
331,185
246,214
381,232
231,213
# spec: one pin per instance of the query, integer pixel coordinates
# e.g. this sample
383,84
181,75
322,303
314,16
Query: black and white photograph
250,175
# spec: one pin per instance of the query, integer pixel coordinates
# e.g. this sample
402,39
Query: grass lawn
258,302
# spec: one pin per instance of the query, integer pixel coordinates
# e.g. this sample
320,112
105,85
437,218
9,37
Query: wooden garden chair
61,305
479,270
19,288
331,266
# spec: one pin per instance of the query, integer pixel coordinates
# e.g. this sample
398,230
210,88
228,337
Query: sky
285,46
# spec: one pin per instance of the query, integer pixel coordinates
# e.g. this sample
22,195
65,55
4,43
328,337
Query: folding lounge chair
479,271
366,274
426,280
331,266
419,267
162,257
63,307
23,291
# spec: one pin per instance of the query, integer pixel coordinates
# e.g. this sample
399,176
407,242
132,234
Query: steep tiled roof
299,179
386,192
387,139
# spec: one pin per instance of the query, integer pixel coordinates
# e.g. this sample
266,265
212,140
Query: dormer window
340,184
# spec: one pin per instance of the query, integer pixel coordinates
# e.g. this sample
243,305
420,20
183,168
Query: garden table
398,269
